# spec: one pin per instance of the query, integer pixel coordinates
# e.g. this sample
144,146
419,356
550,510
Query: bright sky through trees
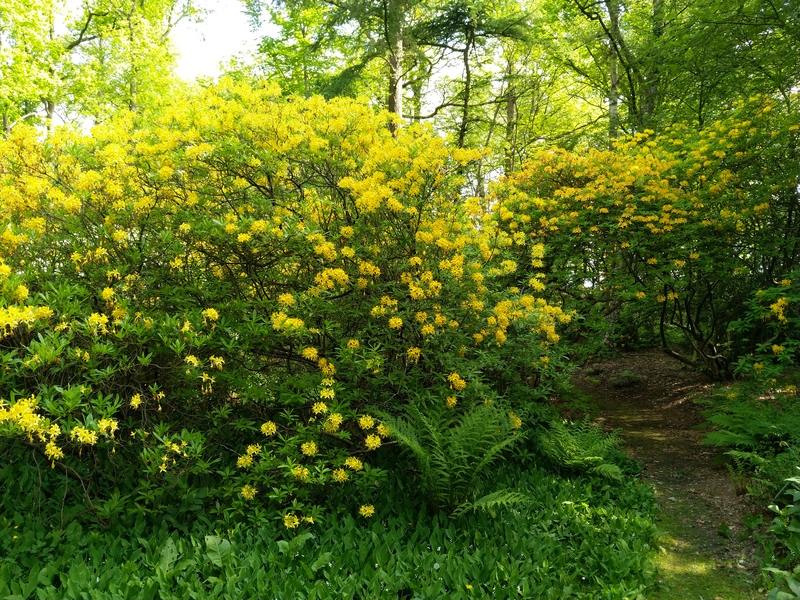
223,33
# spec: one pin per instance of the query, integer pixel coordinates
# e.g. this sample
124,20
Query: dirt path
705,552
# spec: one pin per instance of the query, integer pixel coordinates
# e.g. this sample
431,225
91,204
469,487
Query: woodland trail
705,552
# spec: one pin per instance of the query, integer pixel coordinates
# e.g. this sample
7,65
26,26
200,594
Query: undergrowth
576,535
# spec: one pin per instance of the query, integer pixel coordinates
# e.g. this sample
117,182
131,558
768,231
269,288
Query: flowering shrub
664,235
232,290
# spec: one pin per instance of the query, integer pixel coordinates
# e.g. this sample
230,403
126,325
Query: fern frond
494,500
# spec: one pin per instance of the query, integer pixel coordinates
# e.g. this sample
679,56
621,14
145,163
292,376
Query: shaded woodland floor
705,550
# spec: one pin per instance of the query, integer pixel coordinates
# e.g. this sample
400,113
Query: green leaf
219,551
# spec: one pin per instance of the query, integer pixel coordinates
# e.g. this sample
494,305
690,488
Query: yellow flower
451,401
383,430
309,353
326,367
340,475
192,360
327,393
53,452
367,510
652,261
290,521
640,294
300,473
353,463
516,422
249,492
269,428
211,314
776,349
136,401
107,294
253,449
244,461
428,329
366,422
456,382
83,435
286,299
333,422
21,293
372,442
395,323
308,448
107,427
353,344
319,408
694,255
413,354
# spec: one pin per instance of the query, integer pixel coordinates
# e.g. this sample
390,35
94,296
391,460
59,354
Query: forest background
306,330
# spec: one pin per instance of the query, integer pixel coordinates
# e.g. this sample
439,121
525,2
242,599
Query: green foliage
575,538
786,529
759,433
453,452
582,446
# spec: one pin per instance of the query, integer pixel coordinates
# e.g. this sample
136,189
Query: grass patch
686,570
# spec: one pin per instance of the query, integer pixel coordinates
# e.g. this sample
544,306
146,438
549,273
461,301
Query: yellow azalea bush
664,237
227,294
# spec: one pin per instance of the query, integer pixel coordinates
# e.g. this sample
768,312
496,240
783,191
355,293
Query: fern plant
581,446
454,452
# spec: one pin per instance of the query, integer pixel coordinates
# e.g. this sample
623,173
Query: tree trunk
613,71
511,127
462,129
651,89
395,32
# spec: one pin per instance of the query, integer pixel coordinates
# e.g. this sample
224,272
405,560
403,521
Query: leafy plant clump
581,446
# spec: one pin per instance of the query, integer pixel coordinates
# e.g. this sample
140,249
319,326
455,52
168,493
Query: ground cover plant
577,537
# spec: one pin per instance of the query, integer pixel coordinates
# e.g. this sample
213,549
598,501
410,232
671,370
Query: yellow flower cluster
249,492
351,462
456,382
301,473
333,422
83,435
779,309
